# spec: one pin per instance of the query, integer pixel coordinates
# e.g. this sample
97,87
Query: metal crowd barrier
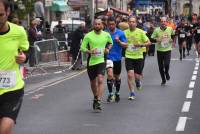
46,54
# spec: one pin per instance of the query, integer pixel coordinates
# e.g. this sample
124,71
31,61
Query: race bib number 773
7,79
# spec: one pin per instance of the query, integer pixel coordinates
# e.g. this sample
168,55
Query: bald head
82,24
163,21
97,21
98,25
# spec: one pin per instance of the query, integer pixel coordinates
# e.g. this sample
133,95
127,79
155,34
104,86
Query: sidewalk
38,77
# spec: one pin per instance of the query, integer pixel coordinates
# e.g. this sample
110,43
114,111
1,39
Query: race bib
7,79
165,43
132,48
182,35
198,31
99,52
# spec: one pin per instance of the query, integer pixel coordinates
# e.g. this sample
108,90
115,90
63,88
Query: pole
96,3
190,10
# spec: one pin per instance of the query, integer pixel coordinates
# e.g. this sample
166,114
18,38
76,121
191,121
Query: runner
197,35
181,33
164,40
189,33
11,83
96,43
134,55
114,57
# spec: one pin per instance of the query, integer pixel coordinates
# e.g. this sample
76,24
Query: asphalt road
64,105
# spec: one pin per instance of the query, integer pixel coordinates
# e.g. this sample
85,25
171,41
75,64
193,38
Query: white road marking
196,68
194,77
54,83
192,83
176,59
181,124
195,72
186,106
58,72
189,94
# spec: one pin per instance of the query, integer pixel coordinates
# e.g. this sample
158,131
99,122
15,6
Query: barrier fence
47,54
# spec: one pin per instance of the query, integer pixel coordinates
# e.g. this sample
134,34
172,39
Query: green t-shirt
137,36
96,41
165,37
10,44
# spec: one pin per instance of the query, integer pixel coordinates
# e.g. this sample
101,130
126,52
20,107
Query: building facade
183,7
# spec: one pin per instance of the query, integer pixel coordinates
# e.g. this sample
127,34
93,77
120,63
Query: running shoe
167,76
97,106
132,96
117,97
111,97
163,83
184,56
138,84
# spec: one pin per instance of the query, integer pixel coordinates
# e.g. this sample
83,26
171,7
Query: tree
22,8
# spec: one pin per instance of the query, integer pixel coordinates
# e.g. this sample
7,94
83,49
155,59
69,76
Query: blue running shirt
115,53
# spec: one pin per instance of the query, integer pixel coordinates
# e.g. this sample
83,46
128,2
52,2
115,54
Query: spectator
59,33
77,36
33,36
48,34
39,11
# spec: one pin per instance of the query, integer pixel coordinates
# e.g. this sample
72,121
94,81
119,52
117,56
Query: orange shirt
171,24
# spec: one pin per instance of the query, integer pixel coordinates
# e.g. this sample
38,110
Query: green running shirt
10,44
96,41
137,36
165,37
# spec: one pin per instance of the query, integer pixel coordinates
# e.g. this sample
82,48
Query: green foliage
23,11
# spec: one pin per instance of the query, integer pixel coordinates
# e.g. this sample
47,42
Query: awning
120,11
59,5
101,13
77,3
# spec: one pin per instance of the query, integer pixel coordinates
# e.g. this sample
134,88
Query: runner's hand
137,45
106,50
20,58
158,40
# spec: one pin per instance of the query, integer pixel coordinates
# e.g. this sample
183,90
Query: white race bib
182,35
132,48
165,42
99,52
7,79
198,31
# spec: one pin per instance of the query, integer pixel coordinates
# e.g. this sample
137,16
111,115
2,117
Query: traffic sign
73,14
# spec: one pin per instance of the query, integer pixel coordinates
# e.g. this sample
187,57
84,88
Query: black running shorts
10,104
134,64
95,70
